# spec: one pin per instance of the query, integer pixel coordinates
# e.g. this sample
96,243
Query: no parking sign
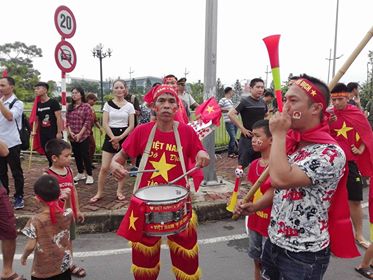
65,56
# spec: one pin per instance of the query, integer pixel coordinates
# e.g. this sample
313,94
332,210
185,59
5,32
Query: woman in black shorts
118,121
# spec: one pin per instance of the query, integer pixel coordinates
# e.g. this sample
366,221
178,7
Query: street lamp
100,54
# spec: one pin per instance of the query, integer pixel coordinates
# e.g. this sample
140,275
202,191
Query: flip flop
363,243
15,276
366,272
95,199
77,271
121,197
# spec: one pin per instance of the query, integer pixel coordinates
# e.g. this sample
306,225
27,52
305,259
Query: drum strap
146,153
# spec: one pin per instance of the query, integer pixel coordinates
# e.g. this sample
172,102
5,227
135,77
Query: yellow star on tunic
357,137
133,220
210,109
162,166
343,130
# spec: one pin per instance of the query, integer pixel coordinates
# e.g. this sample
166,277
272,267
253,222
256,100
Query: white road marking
128,250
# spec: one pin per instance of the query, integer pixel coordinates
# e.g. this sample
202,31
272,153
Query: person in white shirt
9,119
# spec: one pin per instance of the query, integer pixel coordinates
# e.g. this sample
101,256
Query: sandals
121,197
95,199
77,271
363,243
15,276
366,272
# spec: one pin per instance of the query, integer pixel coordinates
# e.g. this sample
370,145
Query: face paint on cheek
297,115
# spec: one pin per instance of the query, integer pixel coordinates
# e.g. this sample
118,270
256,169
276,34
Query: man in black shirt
251,109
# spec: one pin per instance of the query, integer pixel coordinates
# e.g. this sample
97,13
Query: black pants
64,276
13,159
81,154
44,138
246,154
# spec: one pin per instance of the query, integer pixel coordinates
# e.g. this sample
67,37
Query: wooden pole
32,144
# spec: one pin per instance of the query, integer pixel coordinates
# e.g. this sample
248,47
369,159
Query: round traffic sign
64,21
65,56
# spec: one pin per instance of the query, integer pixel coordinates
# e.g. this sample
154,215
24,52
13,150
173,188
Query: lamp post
100,54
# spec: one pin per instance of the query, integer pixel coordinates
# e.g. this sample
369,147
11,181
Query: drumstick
185,174
143,171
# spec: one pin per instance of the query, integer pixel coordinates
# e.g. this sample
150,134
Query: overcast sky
167,36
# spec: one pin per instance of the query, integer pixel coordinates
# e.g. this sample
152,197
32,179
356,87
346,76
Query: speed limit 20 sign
64,21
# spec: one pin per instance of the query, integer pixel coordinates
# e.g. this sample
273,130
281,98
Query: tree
17,59
148,85
196,90
133,86
88,86
238,91
219,89
366,92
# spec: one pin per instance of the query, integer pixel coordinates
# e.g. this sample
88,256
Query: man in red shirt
169,146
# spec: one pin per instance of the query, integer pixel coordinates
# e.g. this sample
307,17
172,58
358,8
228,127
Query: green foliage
237,88
366,92
88,86
219,90
196,90
148,85
17,59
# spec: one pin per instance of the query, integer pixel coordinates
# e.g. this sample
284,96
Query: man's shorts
256,245
7,219
354,183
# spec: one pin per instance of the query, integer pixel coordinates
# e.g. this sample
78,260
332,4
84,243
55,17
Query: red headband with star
152,95
312,91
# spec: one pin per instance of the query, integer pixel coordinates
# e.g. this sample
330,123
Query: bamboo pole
31,144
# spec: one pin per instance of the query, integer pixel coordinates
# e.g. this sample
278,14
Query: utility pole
186,72
211,26
130,72
330,59
267,72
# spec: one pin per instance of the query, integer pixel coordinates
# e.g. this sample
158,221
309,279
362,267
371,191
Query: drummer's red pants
183,251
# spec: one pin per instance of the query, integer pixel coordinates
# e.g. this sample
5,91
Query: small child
48,234
59,151
260,208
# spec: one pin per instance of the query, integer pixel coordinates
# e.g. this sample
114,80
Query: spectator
79,123
353,94
191,104
369,112
9,120
226,104
268,99
48,114
251,108
91,100
118,121
8,233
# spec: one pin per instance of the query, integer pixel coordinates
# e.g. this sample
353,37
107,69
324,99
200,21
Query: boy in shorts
59,151
259,218
49,234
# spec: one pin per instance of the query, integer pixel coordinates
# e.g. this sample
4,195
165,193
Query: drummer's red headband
53,206
312,91
339,94
152,95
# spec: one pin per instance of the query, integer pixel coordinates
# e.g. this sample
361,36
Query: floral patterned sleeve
324,165
30,230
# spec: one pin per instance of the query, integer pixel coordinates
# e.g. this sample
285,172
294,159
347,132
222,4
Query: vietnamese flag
133,221
36,145
342,241
209,111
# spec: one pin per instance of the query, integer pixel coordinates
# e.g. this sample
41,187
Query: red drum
168,209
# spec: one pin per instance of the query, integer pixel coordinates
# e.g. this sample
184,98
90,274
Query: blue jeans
232,132
282,264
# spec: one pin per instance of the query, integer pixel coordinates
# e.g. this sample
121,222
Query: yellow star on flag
210,109
343,130
162,166
133,220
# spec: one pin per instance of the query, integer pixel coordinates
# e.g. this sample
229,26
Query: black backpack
25,131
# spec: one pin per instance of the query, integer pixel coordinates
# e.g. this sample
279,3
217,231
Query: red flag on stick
5,73
36,145
209,111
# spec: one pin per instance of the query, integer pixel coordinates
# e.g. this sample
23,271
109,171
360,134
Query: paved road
223,255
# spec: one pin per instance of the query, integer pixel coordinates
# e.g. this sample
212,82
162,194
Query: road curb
108,221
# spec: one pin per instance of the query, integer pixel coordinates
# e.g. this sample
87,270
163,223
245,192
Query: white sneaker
79,177
89,180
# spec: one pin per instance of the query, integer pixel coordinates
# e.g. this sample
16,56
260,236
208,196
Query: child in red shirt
59,151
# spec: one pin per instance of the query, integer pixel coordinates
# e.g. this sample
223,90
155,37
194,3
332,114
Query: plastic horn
272,47
233,200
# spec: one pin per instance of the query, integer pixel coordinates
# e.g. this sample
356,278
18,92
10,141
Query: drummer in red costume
171,145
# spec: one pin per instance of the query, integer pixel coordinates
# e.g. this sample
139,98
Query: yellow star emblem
133,220
343,130
313,92
162,166
357,137
210,109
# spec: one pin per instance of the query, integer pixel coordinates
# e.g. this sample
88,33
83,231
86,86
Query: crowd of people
321,140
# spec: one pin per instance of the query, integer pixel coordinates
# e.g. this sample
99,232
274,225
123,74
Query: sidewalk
106,214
